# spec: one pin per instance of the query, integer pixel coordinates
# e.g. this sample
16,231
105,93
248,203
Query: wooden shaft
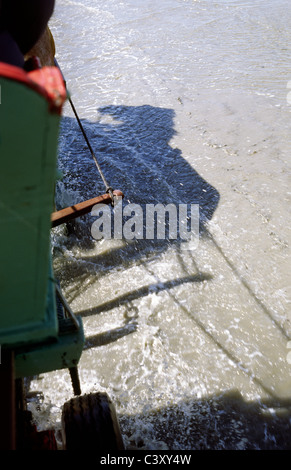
82,208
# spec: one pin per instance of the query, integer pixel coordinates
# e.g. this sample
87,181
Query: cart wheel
89,422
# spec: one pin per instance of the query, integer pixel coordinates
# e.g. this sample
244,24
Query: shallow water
183,102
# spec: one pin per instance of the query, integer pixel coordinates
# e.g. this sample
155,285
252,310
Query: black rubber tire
89,422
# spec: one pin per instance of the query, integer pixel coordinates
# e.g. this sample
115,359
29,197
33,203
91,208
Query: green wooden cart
38,332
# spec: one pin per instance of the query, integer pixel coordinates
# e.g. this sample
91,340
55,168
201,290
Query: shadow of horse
132,146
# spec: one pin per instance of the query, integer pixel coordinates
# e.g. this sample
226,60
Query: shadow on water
131,324
217,422
133,147
135,154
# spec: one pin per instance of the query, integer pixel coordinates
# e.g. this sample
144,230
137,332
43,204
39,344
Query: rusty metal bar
82,208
